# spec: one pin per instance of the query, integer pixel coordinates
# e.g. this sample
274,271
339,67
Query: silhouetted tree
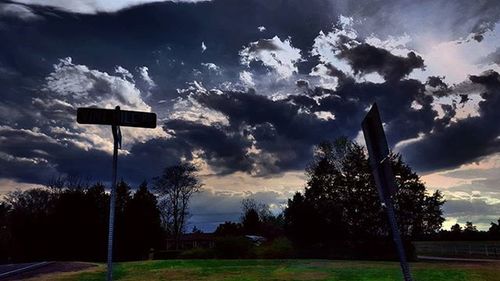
251,222
61,183
5,235
470,232
196,230
175,187
120,240
341,201
72,224
304,224
29,222
258,219
469,227
142,229
494,230
456,228
229,229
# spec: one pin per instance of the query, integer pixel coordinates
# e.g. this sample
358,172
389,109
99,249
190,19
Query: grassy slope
246,270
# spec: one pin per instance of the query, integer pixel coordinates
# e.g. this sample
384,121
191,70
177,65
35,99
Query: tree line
469,232
337,215
71,222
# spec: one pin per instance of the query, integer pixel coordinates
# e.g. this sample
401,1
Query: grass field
247,270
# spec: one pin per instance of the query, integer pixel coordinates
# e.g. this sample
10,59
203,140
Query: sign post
115,118
384,177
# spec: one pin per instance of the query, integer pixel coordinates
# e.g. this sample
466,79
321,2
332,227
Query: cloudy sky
246,88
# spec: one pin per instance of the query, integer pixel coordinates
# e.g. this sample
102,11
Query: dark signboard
378,152
116,117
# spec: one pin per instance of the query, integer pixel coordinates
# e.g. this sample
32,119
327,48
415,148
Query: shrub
197,253
233,248
280,248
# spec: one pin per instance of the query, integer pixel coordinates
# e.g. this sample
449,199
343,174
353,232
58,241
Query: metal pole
405,268
112,201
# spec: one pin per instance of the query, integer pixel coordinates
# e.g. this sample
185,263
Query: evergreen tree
342,199
143,229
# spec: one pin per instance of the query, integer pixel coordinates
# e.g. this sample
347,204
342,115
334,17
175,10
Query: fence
460,249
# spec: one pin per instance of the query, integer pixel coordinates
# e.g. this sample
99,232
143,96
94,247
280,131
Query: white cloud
18,11
144,73
8,185
72,85
207,215
328,46
203,47
397,45
124,73
96,6
471,191
324,115
279,55
212,68
85,87
246,78
455,60
261,28
191,110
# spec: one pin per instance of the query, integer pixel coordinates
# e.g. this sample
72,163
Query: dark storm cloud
351,99
437,86
465,140
287,129
41,158
35,158
278,127
166,37
365,58
441,19
222,149
301,83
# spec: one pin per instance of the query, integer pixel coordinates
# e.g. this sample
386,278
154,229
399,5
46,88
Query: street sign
115,118
101,116
384,177
379,153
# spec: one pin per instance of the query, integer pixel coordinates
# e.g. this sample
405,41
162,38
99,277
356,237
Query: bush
280,248
197,253
376,249
233,248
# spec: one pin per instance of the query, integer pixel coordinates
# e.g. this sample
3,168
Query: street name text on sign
126,118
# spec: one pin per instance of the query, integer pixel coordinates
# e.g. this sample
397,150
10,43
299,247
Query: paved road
7,270
455,259
42,269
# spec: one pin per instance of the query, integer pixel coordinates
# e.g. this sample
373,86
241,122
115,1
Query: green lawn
246,270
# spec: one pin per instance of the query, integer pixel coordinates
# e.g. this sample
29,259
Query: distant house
256,239
193,240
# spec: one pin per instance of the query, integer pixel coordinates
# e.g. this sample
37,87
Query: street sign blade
137,119
384,177
374,135
378,151
126,118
